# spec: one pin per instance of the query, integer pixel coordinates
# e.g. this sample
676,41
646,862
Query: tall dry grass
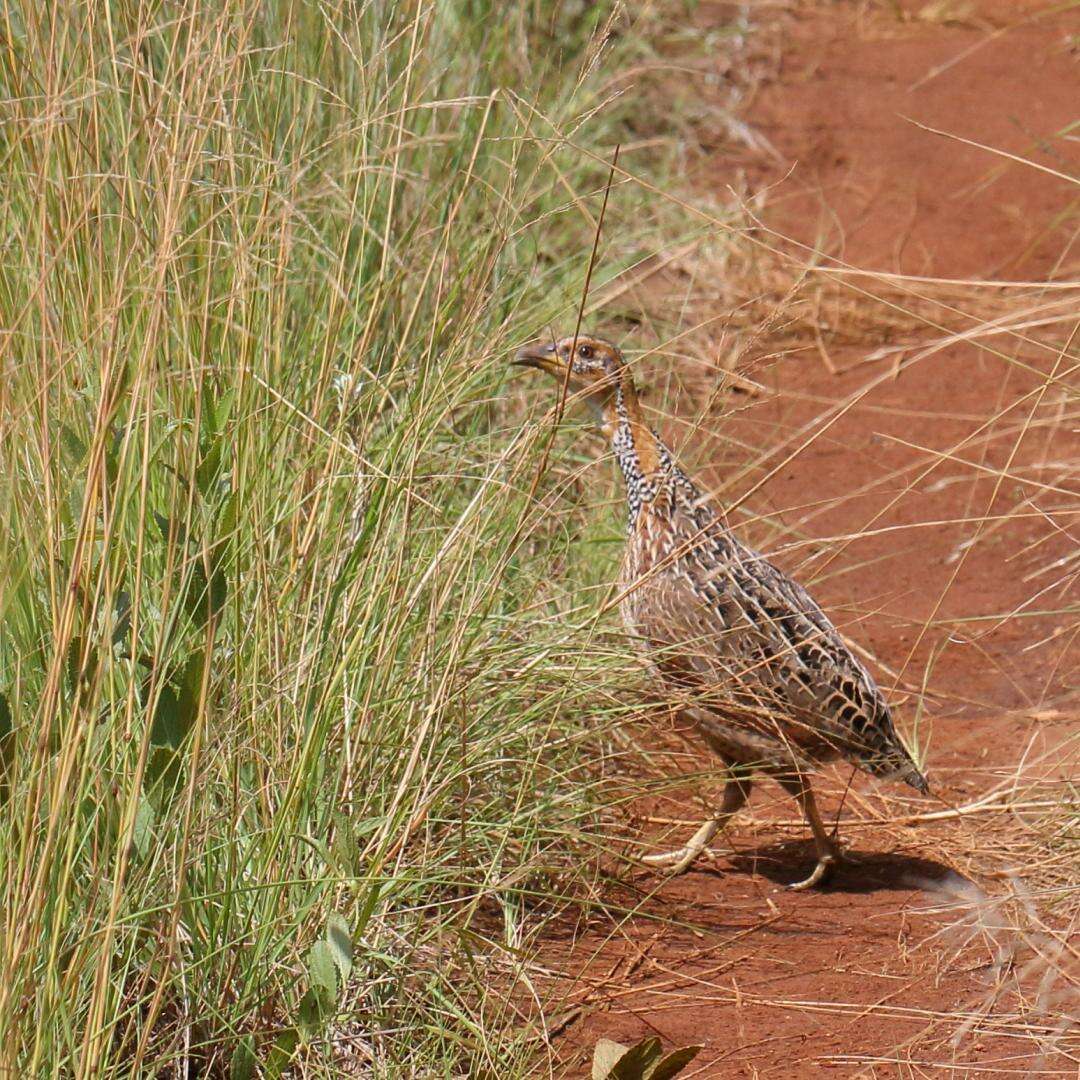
291,701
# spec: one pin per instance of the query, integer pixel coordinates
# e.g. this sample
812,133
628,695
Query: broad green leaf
191,686
225,527
80,663
344,850
340,942
222,409
142,834
162,772
163,524
171,529
322,971
122,617
7,746
242,1066
216,406
174,717
219,584
636,1063
112,456
674,1063
643,1061
7,725
196,597
206,475
167,729
312,1012
74,447
281,1053
605,1057
75,495
202,600
178,704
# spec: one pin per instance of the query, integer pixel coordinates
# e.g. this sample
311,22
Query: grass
292,705
304,699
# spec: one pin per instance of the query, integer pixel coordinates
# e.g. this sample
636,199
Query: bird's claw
827,862
678,861
821,873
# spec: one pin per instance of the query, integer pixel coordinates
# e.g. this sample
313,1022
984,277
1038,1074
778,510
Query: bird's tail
899,766
911,775
893,760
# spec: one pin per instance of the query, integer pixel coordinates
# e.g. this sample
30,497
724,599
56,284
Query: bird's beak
539,356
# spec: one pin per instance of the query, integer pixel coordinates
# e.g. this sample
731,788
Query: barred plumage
742,649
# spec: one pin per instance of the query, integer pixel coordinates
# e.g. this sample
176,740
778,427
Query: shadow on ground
860,872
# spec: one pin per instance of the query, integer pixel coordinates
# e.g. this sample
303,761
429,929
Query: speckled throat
648,467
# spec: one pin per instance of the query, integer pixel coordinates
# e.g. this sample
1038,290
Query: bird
740,649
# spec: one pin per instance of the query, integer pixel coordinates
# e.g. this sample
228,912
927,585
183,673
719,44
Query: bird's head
591,367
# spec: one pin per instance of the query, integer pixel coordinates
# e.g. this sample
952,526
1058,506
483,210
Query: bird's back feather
750,645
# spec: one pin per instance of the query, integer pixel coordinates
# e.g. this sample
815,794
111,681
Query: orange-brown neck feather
625,408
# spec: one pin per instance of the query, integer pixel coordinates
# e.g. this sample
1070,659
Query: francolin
738,647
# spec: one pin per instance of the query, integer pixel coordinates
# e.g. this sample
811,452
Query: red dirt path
863,978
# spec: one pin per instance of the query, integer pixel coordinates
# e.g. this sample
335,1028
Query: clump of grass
288,691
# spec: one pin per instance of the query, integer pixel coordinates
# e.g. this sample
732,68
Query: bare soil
926,518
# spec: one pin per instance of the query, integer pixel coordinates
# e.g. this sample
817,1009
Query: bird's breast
647,558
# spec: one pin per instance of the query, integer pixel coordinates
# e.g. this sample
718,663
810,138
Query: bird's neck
646,463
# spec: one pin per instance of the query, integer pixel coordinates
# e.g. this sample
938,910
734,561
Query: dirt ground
934,518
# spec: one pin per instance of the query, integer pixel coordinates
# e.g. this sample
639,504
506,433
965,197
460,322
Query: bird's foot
844,855
828,860
821,873
679,860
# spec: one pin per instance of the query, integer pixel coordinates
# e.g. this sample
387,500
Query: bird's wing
730,622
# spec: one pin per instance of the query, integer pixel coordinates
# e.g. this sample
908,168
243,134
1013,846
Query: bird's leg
736,792
828,854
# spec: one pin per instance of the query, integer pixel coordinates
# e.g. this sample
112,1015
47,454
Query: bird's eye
585,352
